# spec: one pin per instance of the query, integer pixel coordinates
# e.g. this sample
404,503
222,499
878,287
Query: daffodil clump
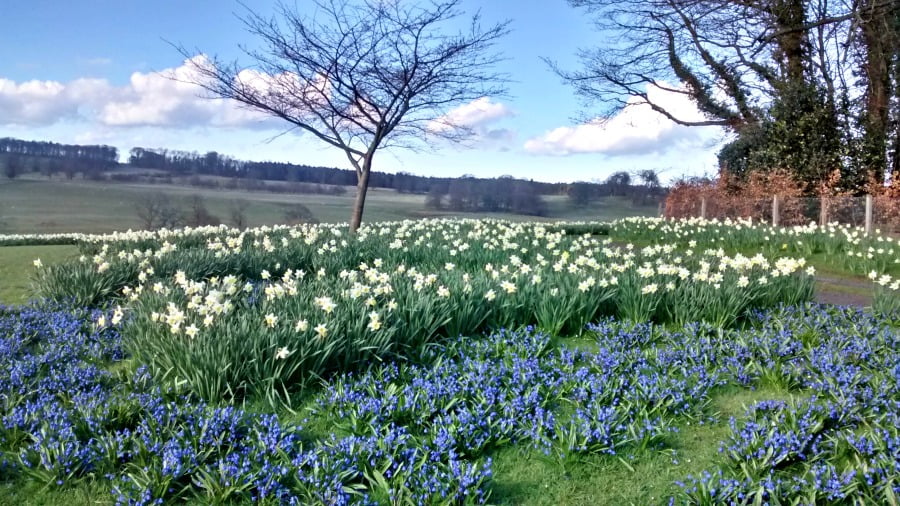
849,248
269,310
846,246
887,295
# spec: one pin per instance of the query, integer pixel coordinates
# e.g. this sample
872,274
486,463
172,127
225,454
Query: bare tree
13,166
69,168
435,197
649,178
198,215
683,47
3,217
619,182
737,59
298,213
48,168
581,193
727,56
156,210
237,212
362,76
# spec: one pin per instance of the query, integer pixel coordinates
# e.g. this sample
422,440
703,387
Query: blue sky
86,71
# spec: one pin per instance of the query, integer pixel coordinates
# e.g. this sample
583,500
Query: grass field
31,205
16,266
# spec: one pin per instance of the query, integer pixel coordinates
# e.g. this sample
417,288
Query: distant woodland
212,169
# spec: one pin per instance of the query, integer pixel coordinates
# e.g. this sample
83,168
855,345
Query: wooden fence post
703,207
870,204
823,211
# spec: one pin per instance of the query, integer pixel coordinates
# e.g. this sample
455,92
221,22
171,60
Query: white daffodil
325,304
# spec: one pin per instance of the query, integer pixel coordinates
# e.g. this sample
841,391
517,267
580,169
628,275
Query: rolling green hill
35,205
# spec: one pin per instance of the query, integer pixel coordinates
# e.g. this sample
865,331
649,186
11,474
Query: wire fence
869,212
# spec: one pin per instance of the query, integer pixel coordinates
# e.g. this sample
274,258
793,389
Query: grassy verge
16,267
30,494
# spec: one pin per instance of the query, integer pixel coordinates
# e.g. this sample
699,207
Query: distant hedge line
570,228
43,240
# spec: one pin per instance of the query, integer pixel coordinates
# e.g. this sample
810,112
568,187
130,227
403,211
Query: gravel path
843,291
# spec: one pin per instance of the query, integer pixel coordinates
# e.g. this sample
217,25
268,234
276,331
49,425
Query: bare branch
718,52
360,76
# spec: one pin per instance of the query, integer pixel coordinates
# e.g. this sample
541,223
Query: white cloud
166,98
478,116
46,102
636,129
170,98
33,102
473,114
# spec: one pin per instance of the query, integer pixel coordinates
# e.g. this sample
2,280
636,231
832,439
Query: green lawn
31,494
529,477
30,205
16,268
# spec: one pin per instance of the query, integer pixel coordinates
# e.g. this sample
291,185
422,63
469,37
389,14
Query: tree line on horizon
464,194
47,158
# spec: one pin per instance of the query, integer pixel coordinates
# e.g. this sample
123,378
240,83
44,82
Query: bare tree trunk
894,167
792,45
879,42
362,186
895,158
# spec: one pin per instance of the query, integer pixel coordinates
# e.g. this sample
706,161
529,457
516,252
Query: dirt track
843,291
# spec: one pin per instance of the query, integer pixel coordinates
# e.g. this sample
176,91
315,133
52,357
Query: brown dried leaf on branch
730,197
886,203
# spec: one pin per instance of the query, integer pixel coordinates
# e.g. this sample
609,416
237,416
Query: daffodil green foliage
224,314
